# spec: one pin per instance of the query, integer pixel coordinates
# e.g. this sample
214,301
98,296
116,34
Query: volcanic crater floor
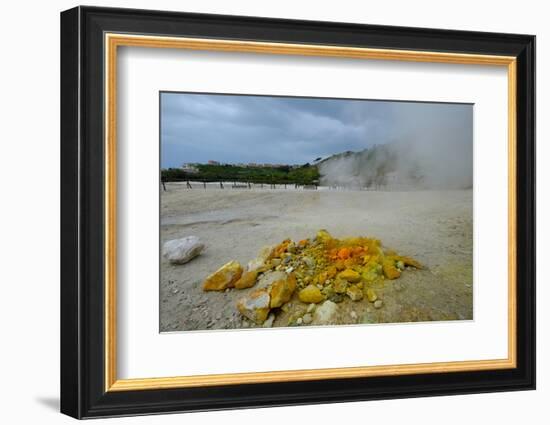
433,227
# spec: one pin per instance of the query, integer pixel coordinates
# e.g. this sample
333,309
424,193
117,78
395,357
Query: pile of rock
321,270
274,289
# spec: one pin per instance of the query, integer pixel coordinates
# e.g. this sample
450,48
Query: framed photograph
261,212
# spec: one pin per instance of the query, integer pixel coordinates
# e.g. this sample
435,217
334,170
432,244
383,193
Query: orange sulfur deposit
318,269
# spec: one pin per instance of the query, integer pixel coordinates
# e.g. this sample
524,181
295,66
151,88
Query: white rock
255,306
325,314
308,261
258,262
267,279
180,251
269,322
308,318
353,315
311,308
254,264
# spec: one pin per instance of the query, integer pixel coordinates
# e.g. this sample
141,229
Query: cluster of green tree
306,174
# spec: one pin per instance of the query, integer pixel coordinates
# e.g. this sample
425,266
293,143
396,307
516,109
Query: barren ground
434,227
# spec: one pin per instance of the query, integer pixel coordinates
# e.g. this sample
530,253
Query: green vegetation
303,175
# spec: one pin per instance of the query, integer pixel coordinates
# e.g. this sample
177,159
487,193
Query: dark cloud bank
433,137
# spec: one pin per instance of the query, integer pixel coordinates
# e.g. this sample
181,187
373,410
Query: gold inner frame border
112,41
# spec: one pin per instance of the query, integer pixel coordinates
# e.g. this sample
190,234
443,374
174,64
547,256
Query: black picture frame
83,392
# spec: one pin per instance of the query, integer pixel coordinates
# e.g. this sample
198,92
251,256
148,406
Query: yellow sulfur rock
280,249
408,261
371,295
322,278
311,294
247,280
369,276
354,293
350,275
340,286
223,278
331,272
349,262
390,271
282,290
323,236
339,265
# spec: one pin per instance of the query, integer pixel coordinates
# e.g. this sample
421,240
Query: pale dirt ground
434,227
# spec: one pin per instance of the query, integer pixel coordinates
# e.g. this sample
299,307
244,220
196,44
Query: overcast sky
287,130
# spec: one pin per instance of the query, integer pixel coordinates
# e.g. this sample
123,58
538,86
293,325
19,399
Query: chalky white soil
434,227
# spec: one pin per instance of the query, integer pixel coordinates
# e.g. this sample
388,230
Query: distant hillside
418,164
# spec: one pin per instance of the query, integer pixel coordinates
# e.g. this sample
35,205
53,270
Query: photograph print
298,211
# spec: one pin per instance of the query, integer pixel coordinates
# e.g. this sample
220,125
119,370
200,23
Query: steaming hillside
400,166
